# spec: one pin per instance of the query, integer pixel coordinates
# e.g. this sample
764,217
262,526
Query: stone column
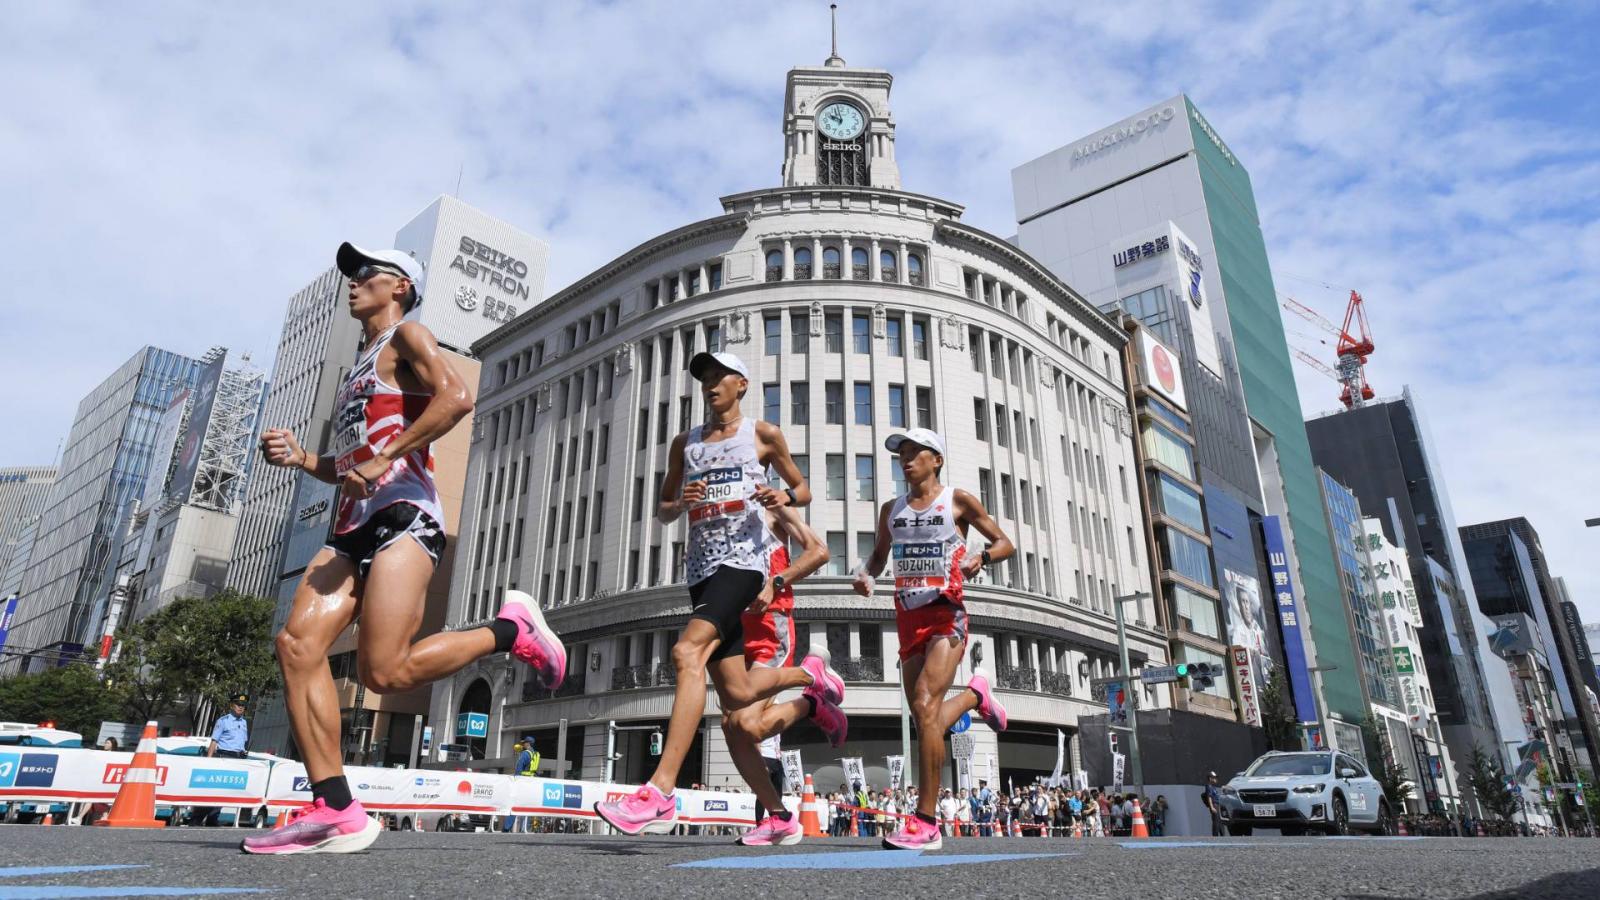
903,277
705,275
846,267
816,257
874,269
664,291
788,259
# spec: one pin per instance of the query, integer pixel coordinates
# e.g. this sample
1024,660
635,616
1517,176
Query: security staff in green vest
527,765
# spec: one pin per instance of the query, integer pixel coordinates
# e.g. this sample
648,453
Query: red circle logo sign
464,787
1165,376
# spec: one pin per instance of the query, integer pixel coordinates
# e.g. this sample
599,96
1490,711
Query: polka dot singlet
727,528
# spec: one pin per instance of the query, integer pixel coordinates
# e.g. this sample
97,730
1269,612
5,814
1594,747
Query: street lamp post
1137,770
1316,696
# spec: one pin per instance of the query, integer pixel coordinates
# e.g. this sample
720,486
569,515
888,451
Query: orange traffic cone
1077,829
135,806
1139,829
854,830
808,811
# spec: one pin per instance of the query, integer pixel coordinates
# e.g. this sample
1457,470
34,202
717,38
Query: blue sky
173,172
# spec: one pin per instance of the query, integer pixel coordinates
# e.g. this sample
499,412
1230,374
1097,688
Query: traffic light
1182,669
1202,674
655,743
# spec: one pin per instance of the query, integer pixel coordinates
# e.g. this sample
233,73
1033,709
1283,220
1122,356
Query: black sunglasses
367,270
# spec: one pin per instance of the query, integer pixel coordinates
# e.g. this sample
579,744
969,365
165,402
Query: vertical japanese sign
1244,681
5,620
1294,647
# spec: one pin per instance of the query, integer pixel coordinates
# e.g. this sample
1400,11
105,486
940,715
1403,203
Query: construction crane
1315,363
1352,351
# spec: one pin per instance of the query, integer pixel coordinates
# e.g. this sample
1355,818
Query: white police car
1323,790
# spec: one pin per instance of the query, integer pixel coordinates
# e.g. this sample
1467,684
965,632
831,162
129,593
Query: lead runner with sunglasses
401,395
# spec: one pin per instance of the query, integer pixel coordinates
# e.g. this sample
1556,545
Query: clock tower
837,130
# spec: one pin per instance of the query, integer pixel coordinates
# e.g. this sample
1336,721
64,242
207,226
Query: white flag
1061,759
793,775
897,771
855,773
1117,761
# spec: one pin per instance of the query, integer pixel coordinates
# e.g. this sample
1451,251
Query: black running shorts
362,544
721,598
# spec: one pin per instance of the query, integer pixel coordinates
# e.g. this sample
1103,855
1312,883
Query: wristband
985,557
777,583
794,500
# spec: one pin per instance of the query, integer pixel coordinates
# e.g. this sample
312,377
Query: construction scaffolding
230,438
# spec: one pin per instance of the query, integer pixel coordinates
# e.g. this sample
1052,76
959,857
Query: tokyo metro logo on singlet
921,571
726,490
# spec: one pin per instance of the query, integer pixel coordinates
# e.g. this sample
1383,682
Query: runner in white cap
716,473
925,533
401,395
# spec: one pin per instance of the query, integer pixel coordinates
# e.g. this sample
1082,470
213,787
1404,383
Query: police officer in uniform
232,731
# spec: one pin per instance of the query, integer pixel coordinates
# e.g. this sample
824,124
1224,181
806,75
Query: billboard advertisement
205,394
1162,372
166,444
1294,647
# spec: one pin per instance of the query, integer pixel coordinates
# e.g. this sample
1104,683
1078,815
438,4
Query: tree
72,696
1277,718
197,649
1488,781
1385,767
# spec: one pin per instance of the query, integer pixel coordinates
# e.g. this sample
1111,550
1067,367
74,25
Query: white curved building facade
860,309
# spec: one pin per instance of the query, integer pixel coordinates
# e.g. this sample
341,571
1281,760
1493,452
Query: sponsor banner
576,799
401,789
78,775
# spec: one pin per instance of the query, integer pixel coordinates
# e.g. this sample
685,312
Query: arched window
830,262
858,263
774,265
914,268
802,262
887,266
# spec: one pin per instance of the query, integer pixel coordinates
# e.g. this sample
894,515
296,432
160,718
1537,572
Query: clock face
840,121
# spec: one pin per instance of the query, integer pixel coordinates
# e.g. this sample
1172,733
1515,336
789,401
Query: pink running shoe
831,719
825,682
536,644
994,715
914,834
773,831
318,828
645,811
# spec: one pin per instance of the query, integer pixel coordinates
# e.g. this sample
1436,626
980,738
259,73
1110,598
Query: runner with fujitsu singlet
769,643
716,472
401,395
924,534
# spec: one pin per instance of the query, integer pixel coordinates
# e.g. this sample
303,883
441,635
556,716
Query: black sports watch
985,558
794,500
778,582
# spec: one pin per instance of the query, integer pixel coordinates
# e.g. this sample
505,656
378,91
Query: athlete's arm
814,550
414,344
672,502
773,450
282,449
970,512
873,566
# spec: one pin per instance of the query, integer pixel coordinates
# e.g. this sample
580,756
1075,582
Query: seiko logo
466,298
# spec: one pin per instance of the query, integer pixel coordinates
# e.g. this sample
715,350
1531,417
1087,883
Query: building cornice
694,231
958,232
954,210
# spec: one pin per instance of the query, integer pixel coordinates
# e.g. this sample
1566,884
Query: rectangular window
588,449
997,359
833,333
897,344
685,412
1163,446
677,561
566,521
647,360
661,422
975,348
1177,501
771,404
572,455
897,406
549,531
599,511
773,329
980,418
555,468
835,489
1007,497
899,475
799,403
714,338
986,489
799,333
1122,481
1186,556
1027,503
925,407
638,499
861,334
714,275
863,398
1193,611
1033,572
866,487
644,428
919,338
1001,426
633,568
583,514
833,401
865,541
871,638
560,597
655,563
602,450
838,561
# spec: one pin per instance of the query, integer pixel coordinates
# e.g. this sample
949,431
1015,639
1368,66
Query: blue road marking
43,891
1160,845
857,859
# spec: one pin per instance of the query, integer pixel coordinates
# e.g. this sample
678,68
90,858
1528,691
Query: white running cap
350,258
698,365
923,436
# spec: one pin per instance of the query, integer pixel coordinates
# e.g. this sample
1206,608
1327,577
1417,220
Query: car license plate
1265,811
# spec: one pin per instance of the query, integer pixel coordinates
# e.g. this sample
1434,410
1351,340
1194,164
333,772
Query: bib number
725,495
921,571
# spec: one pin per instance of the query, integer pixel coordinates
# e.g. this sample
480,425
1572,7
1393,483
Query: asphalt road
38,862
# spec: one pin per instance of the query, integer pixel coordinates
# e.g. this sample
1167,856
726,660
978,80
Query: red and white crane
1352,350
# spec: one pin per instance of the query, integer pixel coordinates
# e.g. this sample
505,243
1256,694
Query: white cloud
172,173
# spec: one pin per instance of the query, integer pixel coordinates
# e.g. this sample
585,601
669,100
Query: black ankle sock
927,818
785,815
505,634
811,706
334,791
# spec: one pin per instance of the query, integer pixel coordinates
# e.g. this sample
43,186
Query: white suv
1324,790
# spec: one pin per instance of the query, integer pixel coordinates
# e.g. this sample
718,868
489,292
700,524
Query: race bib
726,490
350,430
920,572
